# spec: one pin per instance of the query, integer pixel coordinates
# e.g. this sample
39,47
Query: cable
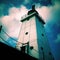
10,36
14,39
5,41
10,44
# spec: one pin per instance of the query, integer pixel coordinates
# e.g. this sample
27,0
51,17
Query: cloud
52,27
18,2
11,2
29,3
26,1
12,21
6,4
54,19
45,2
1,9
4,9
44,12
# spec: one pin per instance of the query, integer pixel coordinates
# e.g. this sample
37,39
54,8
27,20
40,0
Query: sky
11,12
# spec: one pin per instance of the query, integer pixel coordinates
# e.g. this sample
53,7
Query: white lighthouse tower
32,38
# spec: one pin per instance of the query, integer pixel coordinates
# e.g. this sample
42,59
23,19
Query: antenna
33,7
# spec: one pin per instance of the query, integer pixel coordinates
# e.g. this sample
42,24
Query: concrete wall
36,37
30,27
43,44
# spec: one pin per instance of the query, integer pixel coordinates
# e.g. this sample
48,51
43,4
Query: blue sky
11,11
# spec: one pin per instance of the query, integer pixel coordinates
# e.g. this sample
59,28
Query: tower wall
30,27
43,44
33,31
33,38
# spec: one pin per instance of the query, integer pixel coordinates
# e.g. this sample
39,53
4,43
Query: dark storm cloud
55,22
53,30
6,4
41,2
27,3
17,3
53,25
45,2
14,2
4,9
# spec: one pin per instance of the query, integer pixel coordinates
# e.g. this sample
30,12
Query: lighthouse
32,36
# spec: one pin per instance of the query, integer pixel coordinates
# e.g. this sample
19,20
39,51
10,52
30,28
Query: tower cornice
27,17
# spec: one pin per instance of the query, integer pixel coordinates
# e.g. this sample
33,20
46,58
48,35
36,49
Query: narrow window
49,53
42,34
31,47
41,48
26,33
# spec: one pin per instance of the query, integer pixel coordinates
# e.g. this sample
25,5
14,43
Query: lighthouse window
31,47
42,34
49,53
41,48
26,33
53,58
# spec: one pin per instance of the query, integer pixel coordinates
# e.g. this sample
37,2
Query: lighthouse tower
32,38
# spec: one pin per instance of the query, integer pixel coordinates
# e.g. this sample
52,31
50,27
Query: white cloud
46,12
12,21
18,12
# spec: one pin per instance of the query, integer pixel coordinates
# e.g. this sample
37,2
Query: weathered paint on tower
33,31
